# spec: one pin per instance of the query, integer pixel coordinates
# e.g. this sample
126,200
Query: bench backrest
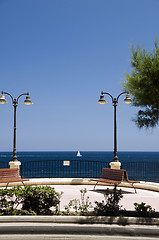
9,173
114,174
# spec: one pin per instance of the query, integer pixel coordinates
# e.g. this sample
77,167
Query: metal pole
15,104
14,134
115,102
115,132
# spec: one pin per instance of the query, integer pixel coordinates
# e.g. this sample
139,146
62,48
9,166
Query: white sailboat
79,154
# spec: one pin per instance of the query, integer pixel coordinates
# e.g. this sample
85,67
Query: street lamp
115,102
27,101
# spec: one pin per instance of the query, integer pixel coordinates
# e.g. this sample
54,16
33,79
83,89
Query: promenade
129,196
146,192
63,227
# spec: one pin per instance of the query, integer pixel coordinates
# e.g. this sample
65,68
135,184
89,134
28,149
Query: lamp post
115,104
27,101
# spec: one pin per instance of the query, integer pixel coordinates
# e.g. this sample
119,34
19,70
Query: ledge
81,220
82,181
68,225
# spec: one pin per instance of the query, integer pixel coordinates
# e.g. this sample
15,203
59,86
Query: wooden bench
8,175
114,176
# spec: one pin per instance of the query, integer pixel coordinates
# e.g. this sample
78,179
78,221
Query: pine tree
143,85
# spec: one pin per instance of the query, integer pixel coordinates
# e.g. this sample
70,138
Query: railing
143,171
62,169
4,165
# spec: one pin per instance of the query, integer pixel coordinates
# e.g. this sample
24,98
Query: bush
143,210
29,200
109,207
10,199
81,207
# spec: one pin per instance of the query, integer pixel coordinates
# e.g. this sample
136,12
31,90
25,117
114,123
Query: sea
104,156
57,164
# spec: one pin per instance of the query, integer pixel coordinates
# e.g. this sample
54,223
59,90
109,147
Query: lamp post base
115,165
14,164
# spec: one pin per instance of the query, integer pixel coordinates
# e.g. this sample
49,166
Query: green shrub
10,199
29,200
143,210
109,207
81,207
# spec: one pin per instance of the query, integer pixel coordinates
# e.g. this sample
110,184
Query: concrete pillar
14,164
115,165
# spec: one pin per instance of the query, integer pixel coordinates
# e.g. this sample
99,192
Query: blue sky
65,52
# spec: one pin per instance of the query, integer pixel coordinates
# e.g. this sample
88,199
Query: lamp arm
8,95
120,95
22,95
108,94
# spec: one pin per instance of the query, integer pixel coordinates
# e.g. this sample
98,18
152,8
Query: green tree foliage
143,85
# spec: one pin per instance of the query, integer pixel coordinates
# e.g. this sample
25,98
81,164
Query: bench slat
114,176
13,180
106,181
8,175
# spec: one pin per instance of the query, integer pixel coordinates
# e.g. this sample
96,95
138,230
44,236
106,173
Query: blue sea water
86,155
140,165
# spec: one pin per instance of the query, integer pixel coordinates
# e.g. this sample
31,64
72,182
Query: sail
79,154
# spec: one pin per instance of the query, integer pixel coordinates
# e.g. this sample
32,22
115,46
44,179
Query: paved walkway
9,230
129,196
71,190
